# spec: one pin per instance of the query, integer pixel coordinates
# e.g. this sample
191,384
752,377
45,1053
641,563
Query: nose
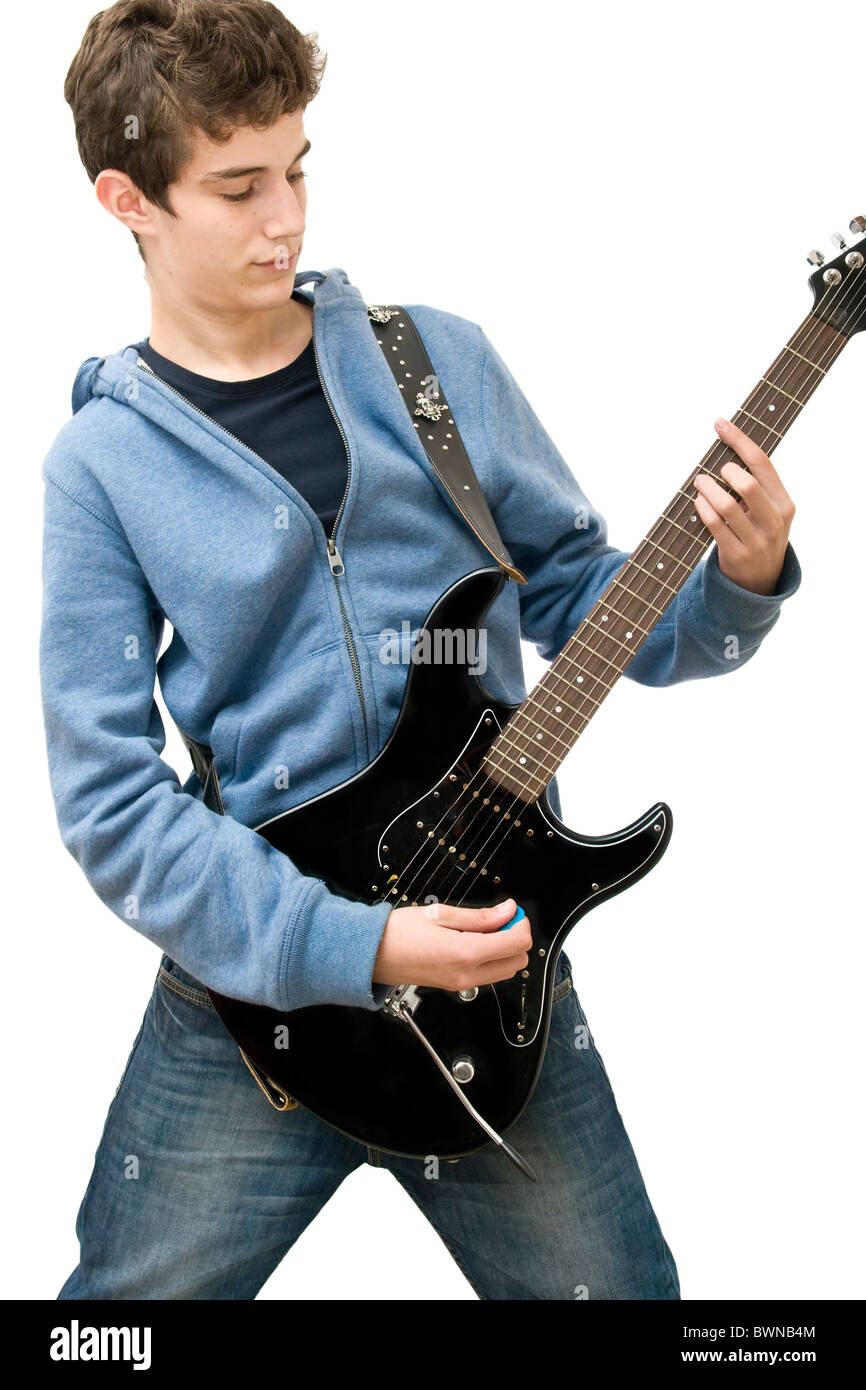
285,221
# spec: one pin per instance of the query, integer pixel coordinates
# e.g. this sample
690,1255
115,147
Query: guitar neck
529,750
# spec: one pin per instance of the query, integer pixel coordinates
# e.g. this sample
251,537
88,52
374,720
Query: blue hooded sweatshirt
154,512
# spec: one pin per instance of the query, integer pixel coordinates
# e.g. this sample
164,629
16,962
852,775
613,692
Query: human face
241,206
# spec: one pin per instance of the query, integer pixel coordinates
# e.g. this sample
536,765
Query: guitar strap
419,386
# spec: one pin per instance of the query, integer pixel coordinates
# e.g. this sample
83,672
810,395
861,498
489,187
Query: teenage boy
208,478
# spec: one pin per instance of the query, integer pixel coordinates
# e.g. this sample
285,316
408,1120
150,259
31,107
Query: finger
757,461
724,510
753,496
482,949
499,971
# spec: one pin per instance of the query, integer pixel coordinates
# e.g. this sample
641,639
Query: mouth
275,264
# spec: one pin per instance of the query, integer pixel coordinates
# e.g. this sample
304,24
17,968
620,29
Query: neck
529,750
236,347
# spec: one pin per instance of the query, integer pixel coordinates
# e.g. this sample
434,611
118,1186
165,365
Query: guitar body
365,1071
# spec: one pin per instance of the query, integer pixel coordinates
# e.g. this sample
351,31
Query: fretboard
532,745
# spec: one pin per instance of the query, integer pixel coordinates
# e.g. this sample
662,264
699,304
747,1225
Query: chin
276,277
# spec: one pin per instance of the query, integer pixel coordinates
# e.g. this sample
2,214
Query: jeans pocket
185,1018
563,982
174,978
562,989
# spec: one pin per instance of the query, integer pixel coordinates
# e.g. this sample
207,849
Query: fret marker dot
660,565
539,735
559,709
523,760
693,517
604,617
628,634
771,407
579,679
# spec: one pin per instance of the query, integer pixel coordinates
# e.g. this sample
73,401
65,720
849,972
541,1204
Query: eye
241,197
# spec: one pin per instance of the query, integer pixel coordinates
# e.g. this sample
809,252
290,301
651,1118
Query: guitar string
805,344
839,343
757,400
841,291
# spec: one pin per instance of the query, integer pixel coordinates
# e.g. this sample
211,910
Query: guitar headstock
839,286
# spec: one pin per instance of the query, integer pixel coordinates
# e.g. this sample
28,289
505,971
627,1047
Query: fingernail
722,425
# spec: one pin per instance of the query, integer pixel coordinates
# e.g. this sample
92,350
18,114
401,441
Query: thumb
473,918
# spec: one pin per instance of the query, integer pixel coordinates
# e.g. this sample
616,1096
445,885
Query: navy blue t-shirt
283,416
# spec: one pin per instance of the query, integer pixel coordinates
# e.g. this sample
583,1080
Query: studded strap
431,415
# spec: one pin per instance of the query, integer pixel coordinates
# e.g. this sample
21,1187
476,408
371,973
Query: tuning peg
857,224
815,258
838,241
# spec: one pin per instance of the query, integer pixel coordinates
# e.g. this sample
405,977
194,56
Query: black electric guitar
455,807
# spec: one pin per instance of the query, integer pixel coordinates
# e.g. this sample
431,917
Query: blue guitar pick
516,918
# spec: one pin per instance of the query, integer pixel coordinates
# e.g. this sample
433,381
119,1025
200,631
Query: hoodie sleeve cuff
331,951
729,603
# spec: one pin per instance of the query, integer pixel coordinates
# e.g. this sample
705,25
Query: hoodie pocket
225,737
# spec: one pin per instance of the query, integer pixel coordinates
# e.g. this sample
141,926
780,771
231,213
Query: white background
653,177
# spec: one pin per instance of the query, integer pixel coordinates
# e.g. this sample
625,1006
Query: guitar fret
814,365
515,751
562,701
722,482
591,674
692,535
508,740
783,393
677,558
644,631
764,426
639,597
523,772
605,632
531,703
650,575
491,764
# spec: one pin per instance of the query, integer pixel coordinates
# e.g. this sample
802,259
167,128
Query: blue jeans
200,1187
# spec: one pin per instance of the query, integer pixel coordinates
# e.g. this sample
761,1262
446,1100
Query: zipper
335,559
141,363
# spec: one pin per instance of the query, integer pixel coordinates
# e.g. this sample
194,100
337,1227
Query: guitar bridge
402,999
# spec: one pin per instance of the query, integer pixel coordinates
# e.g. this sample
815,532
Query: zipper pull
335,559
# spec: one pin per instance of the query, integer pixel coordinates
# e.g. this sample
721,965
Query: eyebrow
239,173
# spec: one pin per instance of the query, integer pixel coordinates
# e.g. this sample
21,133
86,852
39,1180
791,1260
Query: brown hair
150,72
